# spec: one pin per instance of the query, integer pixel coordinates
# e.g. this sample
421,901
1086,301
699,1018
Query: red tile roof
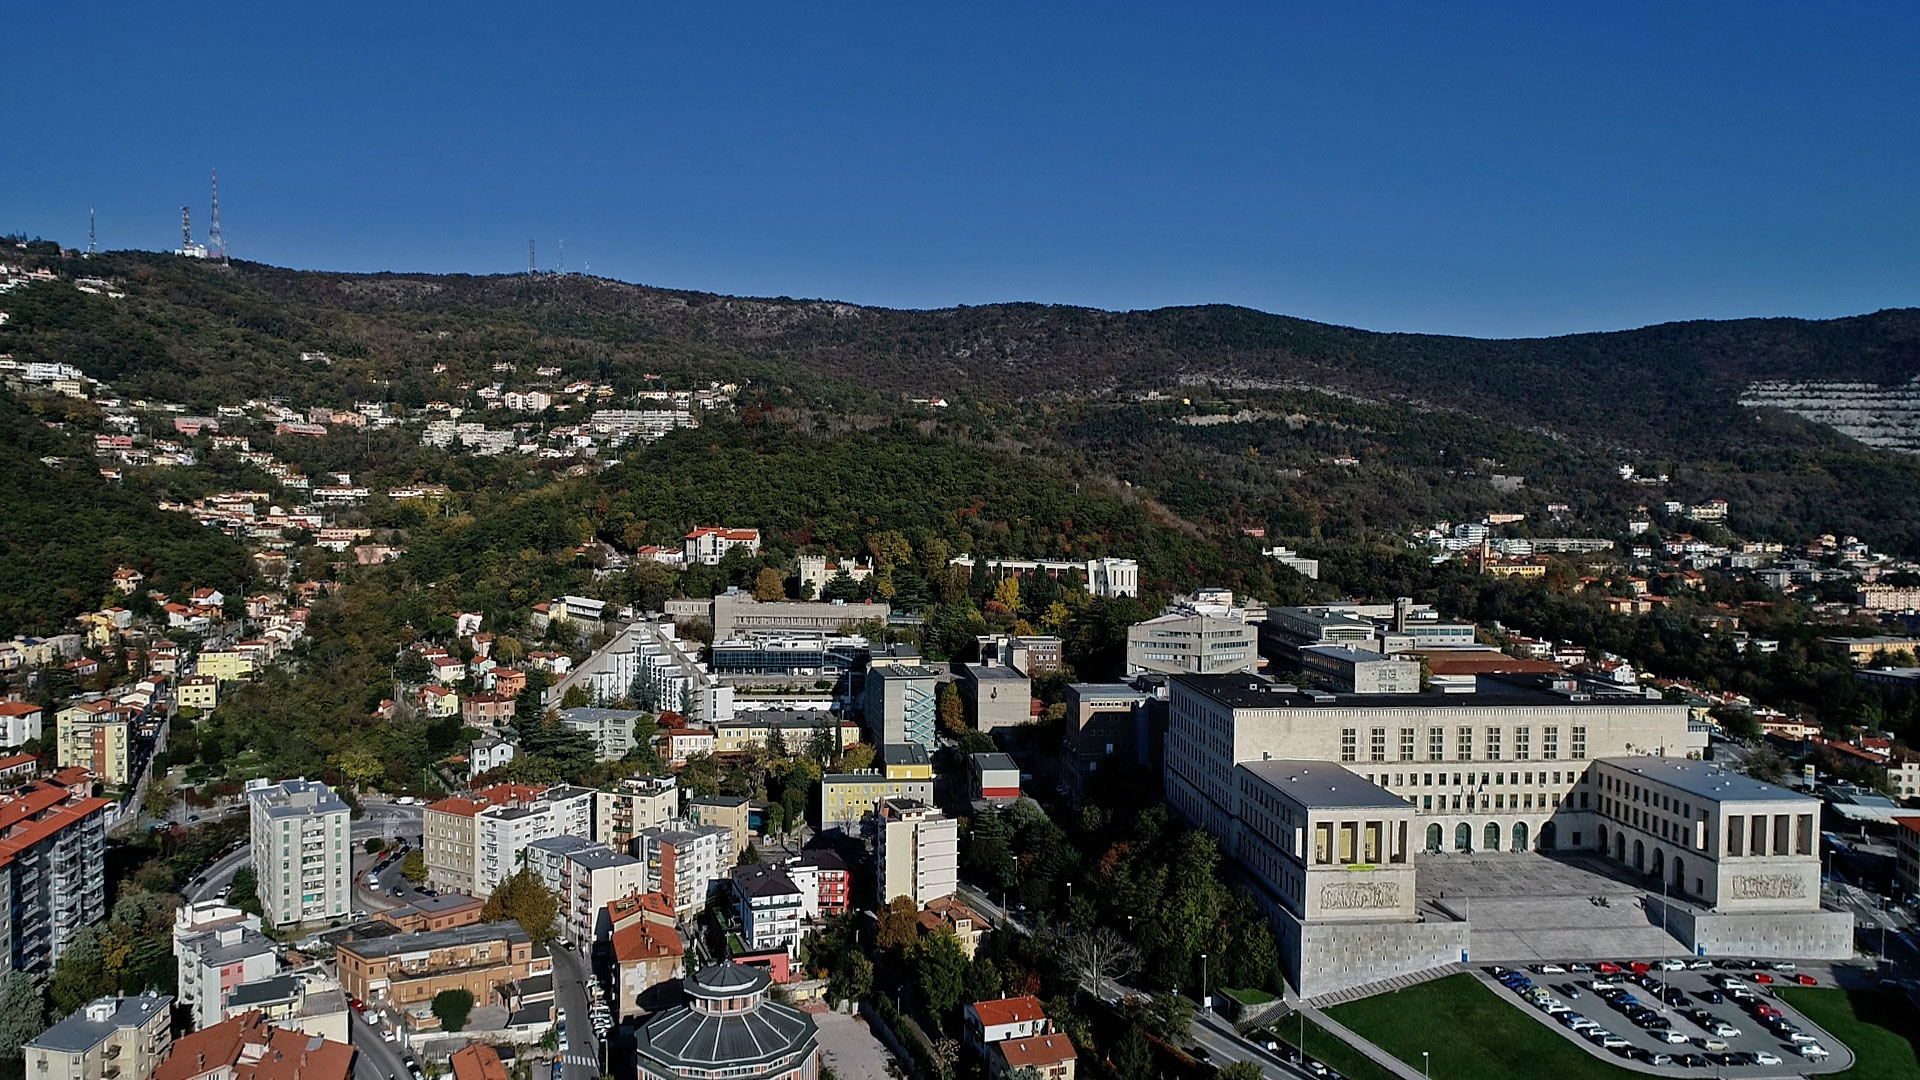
249,1048
17,708
1016,1010
646,941
477,1061
1036,1052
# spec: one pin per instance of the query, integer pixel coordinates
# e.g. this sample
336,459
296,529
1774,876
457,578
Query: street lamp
1206,1002
1426,1065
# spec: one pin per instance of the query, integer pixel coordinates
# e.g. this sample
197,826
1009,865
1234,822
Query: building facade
918,852
684,861
52,871
106,1039
410,969
847,799
901,704
728,1027
302,854
1193,645
635,803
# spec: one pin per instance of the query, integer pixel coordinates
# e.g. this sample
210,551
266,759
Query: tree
856,757
525,899
1239,1070
412,668
245,891
953,715
452,1007
983,979
160,797
1133,1058
1007,594
899,923
359,765
375,845
769,585
1168,1016
81,974
942,968
576,697
751,856
1096,957
23,1012
414,866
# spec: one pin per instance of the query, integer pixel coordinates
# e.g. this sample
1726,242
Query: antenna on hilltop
215,239
530,264
186,228
92,235
563,258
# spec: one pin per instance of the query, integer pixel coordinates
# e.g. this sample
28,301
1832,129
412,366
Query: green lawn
1344,1059
1471,1033
1880,1028
1249,996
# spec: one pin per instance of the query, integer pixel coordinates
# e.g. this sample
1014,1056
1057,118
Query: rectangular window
1377,744
1493,744
1579,743
1426,802
1436,744
1522,743
1463,744
1349,744
1406,744
1426,779
1456,802
1550,743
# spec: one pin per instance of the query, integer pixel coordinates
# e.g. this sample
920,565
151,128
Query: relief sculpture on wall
1348,895
1767,887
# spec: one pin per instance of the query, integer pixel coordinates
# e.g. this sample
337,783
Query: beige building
918,854
846,799
96,736
198,692
726,811
1192,645
226,665
450,834
106,1039
1328,844
410,969
635,803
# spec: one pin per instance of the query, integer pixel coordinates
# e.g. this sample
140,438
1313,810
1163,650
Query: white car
1812,1050
1766,1057
1674,1037
1552,969
1724,1030
1672,965
1614,1042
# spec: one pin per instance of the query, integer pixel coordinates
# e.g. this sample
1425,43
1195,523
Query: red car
1607,967
1641,967
358,1005
1763,978
1805,979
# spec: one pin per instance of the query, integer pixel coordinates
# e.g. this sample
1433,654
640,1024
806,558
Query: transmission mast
186,229
563,258
530,263
92,235
215,239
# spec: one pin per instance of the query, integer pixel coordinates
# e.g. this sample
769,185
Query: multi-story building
584,878
52,871
409,969
824,881
487,709
1888,597
918,853
901,706
995,777
796,728
738,614
709,544
198,692
1106,577
218,948
989,1022
248,1047
647,953
1906,871
450,834
635,803
770,907
96,736
502,833
684,861
105,1039
727,811
847,799
487,753
1104,723
811,654
610,729
20,721
1357,671
1177,644
302,854
307,1002
728,1028
996,695
661,671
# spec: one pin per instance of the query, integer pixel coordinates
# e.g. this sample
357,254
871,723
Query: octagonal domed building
728,1029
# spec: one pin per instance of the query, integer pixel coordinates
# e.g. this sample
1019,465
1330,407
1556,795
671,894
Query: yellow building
225,665
846,798
198,692
751,728
97,737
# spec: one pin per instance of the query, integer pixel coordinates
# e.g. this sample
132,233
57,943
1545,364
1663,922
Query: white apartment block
771,907
302,850
503,833
1192,645
684,860
918,854
218,948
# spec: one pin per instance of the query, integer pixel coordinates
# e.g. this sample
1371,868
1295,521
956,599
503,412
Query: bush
452,1007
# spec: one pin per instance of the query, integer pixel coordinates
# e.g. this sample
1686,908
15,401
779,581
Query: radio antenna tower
563,258
530,264
92,236
186,228
215,239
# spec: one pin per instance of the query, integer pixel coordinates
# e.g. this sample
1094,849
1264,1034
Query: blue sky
1500,169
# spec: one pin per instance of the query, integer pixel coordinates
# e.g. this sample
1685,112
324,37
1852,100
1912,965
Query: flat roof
1703,779
993,761
429,940
999,672
1491,691
1351,656
1324,785
80,1032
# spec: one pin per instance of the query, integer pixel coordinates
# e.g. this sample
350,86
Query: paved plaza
849,1048
1524,906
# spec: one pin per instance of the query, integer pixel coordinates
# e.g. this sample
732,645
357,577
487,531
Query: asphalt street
378,1059
573,987
382,819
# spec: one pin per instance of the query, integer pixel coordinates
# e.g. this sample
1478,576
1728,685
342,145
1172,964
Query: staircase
1383,986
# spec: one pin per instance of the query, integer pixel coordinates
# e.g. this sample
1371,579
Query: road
378,1059
573,989
382,819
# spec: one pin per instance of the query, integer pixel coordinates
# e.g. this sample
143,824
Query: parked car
1806,980
1672,965
1766,1057
1812,1050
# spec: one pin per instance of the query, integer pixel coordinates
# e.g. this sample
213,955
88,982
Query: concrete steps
1383,986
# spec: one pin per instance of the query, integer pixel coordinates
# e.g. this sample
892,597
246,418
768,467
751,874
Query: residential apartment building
502,833
652,664
824,880
52,871
96,736
248,1047
847,799
901,704
585,877
635,803
405,970
770,907
738,614
226,665
684,861
20,721
109,1038
450,834
198,692
918,852
307,1002
610,729
726,811
1176,644
1906,869
218,948
647,953
752,728
708,544
302,854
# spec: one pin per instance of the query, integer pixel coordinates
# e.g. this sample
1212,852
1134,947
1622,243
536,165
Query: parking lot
1709,1019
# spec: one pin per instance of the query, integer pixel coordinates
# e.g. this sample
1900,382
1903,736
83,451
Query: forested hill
1667,389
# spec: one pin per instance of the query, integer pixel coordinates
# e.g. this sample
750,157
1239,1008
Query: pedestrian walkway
1398,982
581,1059
1379,1057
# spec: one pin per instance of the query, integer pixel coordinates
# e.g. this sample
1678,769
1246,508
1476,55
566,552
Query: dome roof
728,980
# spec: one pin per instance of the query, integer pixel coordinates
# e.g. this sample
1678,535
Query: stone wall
1805,935
1321,958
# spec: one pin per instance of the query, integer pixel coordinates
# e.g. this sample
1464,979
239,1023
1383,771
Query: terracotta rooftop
1035,1052
1015,1010
646,941
477,1061
248,1048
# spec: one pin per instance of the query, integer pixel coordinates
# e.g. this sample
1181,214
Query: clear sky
1502,168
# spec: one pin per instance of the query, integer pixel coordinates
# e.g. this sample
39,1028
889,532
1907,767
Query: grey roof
209,949
1704,779
299,797
1105,690
588,715
780,718
986,762
1324,785
994,672
904,753
1491,691
562,845
276,988
718,800
429,940
686,1037
1352,656
599,857
78,1034
763,881
904,671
